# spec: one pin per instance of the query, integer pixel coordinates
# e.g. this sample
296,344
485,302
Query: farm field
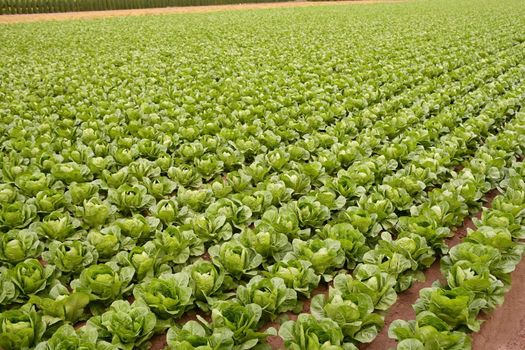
285,178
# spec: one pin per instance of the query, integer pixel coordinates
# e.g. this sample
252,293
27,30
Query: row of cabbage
476,273
236,202
232,256
394,264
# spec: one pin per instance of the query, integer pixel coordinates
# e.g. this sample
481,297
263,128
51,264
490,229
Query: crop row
477,274
234,257
394,264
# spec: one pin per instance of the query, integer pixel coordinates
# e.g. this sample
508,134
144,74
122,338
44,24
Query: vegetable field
260,179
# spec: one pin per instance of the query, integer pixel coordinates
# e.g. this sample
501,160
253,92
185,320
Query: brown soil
168,10
504,329
158,342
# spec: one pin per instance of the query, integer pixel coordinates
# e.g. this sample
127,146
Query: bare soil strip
169,10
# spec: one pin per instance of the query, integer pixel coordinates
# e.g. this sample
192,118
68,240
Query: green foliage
66,337
71,256
126,326
195,335
310,333
243,320
21,328
62,305
271,294
168,296
235,164
104,282
19,245
477,277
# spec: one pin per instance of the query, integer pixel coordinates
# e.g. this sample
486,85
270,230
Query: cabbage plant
308,332
71,256
271,294
168,296
195,335
209,283
19,245
21,329
104,282
30,277
17,215
130,198
235,258
325,255
66,337
243,320
62,305
127,326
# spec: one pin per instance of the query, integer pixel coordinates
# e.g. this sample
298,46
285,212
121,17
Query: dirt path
168,10
402,310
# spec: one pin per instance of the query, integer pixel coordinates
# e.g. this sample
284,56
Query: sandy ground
402,309
504,329
169,10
